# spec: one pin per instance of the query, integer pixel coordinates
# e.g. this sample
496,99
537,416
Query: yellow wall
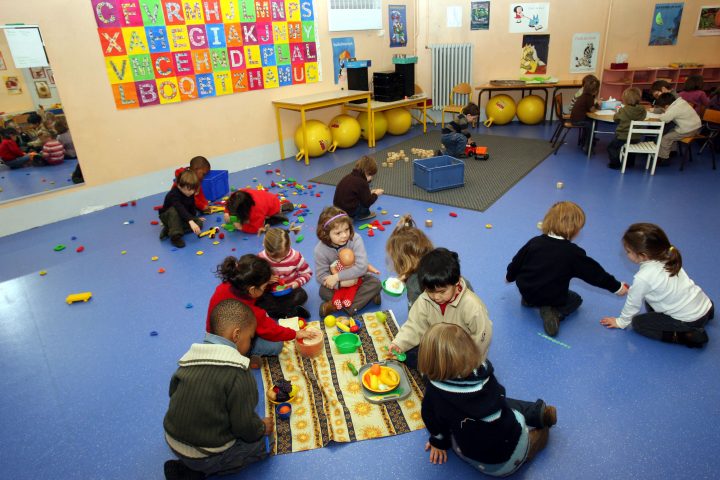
12,103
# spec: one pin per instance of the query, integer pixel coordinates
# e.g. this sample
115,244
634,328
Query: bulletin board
169,51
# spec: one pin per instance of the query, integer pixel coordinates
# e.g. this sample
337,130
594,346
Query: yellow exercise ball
500,110
381,125
398,121
345,131
531,109
318,136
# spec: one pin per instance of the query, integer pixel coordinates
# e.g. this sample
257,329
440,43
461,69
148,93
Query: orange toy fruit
284,409
375,369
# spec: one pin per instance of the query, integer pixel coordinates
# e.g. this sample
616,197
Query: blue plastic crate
216,185
438,173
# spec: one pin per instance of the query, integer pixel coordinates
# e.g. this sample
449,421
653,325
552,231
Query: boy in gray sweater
631,111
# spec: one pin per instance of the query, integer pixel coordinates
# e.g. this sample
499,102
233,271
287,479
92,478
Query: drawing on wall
343,50
43,89
2,62
708,21
398,26
37,72
479,15
529,17
159,52
534,54
584,52
665,24
12,85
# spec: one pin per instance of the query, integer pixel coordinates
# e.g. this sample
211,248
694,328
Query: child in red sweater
10,152
254,208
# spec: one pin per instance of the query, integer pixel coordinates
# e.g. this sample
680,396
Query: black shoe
276,219
673,153
176,470
439,153
551,320
663,162
549,416
615,166
302,312
178,241
367,217
163,233
696,338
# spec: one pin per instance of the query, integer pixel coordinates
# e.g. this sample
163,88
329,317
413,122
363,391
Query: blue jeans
265,348
18,162
233,459
454,143
360,212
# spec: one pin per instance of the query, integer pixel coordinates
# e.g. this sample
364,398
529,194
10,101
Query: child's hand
623,290
226,217
609,322
293,285
269,425
330,281
237,225
394,350
202,219
305,334
374,270
437,456
377,191
194,226
274,279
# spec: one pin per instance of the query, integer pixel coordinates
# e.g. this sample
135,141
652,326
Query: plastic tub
310,347
216,184
286,410
438,173
347,342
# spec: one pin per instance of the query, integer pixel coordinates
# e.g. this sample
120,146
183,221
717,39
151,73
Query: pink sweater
696,98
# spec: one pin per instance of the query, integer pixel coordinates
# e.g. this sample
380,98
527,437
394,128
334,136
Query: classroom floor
22,182
83,389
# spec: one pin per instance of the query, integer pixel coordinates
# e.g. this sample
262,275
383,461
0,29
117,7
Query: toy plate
366,382
403,390
393,292
293,394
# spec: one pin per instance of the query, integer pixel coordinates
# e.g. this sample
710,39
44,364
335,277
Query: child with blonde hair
405,247
677,309
465,407
544,266
289,270
335,232
632,110
353,193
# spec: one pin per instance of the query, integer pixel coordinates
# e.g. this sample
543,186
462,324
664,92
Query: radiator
451,64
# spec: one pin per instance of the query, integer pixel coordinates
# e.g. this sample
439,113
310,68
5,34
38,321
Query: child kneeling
211,424
465,407
456,136
178,213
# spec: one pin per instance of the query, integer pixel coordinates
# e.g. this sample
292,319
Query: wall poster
665,23
584,52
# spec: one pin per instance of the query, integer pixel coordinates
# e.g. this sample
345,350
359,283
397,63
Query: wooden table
418,101
606,116
313,102
529,87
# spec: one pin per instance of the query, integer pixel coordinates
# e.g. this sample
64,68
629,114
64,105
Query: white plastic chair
649,148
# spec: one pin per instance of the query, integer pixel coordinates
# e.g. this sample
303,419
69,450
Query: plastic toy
530,110
381,316
393,286
311,346
330,321
479,153
161,270
123,252
380,379
500,110
559,185
282,391
347,342
345,132
488,225
59,247
209,233
319,139
80,249
453,214
199,252
43,273
381,125
398,121
352,368
283,411
428,223
281,290
78,297
154,259
216,209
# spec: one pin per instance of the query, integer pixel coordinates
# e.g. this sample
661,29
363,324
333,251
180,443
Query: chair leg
623,158
556,132
654,163
559,142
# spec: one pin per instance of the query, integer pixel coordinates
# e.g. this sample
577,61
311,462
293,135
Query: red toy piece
386,222
317,194
480,153
161,270
371,232
154,222
157,207
453,214
268,171
123,204
80,249
222,235
133,203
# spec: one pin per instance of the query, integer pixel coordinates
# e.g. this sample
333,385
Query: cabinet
614,82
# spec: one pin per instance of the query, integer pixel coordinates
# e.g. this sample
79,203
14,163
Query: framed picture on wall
49,75
43,89
708,21
12,85
37,72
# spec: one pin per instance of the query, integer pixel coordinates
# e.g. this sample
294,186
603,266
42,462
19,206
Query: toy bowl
293,393
383,387
393,286
283,410
281,290
310,347
347,342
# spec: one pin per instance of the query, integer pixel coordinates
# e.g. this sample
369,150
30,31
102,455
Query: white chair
649,148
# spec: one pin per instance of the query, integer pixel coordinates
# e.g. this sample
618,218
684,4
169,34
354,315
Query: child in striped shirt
53,152
290,271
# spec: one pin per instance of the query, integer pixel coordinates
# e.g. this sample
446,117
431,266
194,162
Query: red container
310,347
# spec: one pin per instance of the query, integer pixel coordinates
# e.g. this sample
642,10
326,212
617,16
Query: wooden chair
417,114
563,127
648,147
561,116
712,124
462,89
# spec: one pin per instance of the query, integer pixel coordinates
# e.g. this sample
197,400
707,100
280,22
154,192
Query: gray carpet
485,181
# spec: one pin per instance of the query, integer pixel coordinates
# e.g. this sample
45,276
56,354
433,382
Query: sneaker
538,438
367,217
255,362
551,320
615,166
302,312
326,309
377,299
164,233
178,241
549,416
177,470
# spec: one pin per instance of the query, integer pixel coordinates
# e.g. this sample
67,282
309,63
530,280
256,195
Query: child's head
471,111
187,182
7,133
592,86
439,274
368,166
61,126
518,9
565,219
276,243
406,246
34,119
665,99
647,241
631,96
249,275
448,352
200,166
694,82
659,87
45,136
587,79
234,320
334,227
239,205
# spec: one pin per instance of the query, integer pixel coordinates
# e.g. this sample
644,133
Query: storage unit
614,82
438,173
405,66
357,76
216,185
388,86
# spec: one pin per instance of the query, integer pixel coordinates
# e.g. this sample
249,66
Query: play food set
347,342
380,379
284,410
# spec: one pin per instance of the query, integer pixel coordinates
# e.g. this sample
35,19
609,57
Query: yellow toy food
374,382
330,321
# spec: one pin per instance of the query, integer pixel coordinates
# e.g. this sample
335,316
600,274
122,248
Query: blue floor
83,388
22,182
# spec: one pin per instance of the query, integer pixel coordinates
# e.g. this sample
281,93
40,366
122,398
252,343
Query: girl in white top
677,309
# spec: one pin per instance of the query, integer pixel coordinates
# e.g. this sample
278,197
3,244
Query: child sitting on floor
445,298
255,208
456,135
211,424
465,407
10,153
544,266
178,214
353,194
632,110
405,247
201,166
64,137
335,231
345,294
290,270
677,309
53,153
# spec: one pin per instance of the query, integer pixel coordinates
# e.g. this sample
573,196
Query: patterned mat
510,160
330,405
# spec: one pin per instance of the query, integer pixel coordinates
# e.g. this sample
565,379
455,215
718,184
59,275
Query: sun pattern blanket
330,405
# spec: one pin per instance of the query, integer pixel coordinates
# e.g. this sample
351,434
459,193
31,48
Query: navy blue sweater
184,205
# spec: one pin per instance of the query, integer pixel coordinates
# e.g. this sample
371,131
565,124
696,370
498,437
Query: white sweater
683,114
676,296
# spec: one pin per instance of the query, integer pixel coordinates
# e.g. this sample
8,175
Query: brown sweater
353,191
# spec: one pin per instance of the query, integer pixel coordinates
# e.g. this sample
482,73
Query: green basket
347,342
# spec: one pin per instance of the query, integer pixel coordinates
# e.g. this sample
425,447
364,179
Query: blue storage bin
438,173
216,185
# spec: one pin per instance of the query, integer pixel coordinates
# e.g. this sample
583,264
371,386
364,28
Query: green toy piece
59,247
301,219
299,238
352,368
286,223
364,226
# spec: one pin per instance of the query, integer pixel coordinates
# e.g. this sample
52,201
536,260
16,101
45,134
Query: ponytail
244,272
673,262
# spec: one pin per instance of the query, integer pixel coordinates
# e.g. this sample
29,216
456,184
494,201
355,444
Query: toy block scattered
78,297
453,214
80,249
59,247
422,153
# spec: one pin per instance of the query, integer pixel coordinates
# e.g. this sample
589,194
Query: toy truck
479,153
